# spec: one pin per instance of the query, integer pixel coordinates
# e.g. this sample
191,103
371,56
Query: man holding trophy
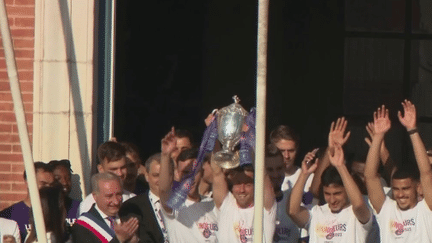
233,182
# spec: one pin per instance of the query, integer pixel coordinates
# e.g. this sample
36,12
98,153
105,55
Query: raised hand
381,121
308,168
336,157
126,230
169,142
337,132
209,119
370,131
408,120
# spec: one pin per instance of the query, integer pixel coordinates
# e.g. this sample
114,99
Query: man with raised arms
233,194
195,220
345,217
404,218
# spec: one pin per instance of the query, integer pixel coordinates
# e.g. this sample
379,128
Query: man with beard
404,218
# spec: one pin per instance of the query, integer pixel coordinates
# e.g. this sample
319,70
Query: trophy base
227,160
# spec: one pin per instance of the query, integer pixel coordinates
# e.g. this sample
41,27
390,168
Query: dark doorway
176,60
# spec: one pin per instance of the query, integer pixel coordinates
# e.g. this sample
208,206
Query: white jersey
88,202
290,180
286,230
328,227
236,224
191,223
9,227
412,225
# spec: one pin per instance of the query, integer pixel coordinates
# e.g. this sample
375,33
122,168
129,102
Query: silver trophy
230,125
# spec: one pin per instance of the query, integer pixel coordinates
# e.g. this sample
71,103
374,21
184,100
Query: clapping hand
126,230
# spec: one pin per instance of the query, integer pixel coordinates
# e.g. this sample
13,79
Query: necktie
159,216
112,220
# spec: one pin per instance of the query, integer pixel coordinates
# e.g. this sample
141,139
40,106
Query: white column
64,85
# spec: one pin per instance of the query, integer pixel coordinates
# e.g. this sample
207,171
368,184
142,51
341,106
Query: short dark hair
284,132
63,163
186,154
183,133
40,166
233,172
406,173
111,151
331,176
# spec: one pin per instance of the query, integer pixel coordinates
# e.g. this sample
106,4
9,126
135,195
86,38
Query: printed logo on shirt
398,228
245,234
207,229
330,232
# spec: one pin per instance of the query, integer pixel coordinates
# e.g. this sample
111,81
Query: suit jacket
81,234
141,208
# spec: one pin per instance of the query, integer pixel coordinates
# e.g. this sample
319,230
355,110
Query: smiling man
404,218
102,223
233,195
112,158
345,217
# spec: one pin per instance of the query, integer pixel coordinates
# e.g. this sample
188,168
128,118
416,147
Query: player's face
336,197
109,197
243,189
44,178
288,149
405,193
152,177
182,144
117,167
61,174
275,168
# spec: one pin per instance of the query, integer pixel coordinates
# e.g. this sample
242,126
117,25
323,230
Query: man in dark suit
147,207
101,223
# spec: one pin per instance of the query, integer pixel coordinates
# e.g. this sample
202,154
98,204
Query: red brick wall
21,21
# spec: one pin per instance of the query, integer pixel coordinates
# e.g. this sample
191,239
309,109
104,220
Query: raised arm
166,177
372,178
387,161
336,135
300,215
220,185
269,194
409,121
359,207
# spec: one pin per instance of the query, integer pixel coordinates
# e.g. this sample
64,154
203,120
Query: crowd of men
325,199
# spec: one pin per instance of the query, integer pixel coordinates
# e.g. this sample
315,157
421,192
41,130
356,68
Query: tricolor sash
99,228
